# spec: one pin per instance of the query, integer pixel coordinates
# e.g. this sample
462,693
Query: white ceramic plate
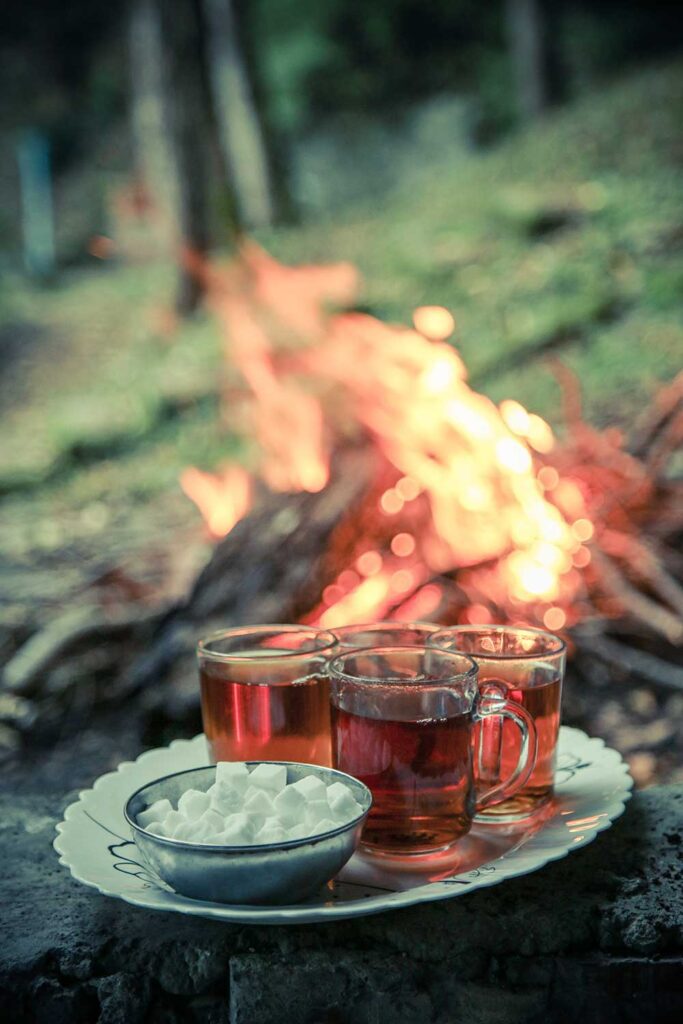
592,787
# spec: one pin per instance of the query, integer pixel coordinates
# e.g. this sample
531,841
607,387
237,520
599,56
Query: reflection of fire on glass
543,704
264,695
246,721
527,667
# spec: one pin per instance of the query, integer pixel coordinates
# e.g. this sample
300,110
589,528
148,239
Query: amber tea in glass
402,723
526,665
265,695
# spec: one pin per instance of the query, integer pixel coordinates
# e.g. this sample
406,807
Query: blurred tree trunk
186,103
156,171
240,129
529,53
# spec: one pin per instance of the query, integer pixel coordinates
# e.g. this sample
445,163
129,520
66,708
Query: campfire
377,483
469,511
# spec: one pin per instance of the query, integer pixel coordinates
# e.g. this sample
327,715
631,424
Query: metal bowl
273,873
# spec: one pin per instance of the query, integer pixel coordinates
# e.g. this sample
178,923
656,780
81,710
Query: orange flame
467,490
434,322
223,499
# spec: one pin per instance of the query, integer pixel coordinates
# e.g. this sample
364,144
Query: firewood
660,673
270,568
665,405
25,673
612,580
644,562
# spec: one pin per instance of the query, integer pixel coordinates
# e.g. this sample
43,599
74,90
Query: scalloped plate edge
528,860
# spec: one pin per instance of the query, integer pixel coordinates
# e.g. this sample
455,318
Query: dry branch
612,580
643,562
664,409
660,673
270,568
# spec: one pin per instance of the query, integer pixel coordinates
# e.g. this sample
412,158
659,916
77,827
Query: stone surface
597,937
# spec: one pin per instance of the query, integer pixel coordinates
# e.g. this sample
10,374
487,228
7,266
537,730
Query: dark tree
189,134
192,100
170,127
239,126
155,166
529,55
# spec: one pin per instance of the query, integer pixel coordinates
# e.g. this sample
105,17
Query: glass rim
204,651
557,647
385,624
471,672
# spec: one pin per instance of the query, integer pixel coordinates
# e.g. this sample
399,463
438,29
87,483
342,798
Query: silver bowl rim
286,844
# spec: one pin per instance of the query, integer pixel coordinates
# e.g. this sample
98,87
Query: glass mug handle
490,706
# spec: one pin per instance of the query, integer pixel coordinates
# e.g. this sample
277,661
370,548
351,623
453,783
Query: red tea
276,721
419,771
501,742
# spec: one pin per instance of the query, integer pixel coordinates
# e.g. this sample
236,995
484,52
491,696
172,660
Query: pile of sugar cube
245,807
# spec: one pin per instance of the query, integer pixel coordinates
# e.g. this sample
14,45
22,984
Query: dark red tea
418,769
251,721
502,740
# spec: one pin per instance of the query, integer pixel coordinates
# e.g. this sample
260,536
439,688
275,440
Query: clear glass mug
526,665
265,693
403,720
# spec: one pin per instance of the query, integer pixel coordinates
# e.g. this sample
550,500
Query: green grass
570,233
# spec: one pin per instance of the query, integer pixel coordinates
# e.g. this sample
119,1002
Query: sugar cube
324,825
186,830
342,802
193,803
233,773
318,810
257,807
155,812
352,810
300,831
171,822
311,787
272,777
271,833
212,820
215,839
258,802
268,825
156,828
337,789
225,799
238,831
289,804
202,831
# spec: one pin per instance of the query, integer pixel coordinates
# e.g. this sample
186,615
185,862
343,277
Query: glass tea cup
402,722
265,694
526,665
384,634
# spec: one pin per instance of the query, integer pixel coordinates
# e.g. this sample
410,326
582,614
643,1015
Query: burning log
271,561
270,568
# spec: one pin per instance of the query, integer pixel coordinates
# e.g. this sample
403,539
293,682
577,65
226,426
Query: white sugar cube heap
244,808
